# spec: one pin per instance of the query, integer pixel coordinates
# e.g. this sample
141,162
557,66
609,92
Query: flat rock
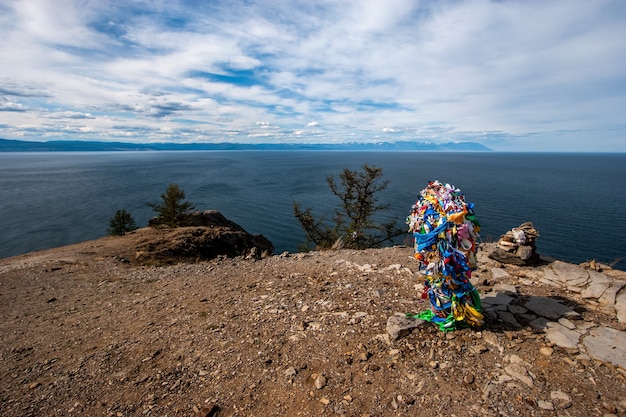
499,273
609,296
502,287
569,272
540,323
596,277
496,298
549,308
508,318
561,399
398,327
562,336
620,307
595,289
606,344
517,371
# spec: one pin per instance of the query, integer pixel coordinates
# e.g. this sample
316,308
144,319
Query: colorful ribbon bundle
445,231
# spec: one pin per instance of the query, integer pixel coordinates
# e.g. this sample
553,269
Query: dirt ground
87,331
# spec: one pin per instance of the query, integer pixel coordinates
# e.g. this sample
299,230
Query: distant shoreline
7,145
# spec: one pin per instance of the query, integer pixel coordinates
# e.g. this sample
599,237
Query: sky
513,75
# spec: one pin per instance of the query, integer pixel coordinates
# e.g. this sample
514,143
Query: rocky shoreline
87,330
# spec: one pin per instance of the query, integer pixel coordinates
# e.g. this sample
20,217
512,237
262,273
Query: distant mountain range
7,145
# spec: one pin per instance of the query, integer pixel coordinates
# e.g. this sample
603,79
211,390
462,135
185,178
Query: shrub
354,219
121,223
173,211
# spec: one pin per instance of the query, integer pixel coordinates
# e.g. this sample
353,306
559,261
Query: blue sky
518,75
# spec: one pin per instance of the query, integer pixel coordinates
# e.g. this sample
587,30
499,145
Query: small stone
207,411
34,385
320,381
398,327
394,352
434,364
545,405
546,350
468,379
325,401
348,398
290,372
478,349
519,372
561,399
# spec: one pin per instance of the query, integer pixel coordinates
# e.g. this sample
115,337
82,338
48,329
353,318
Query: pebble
561,399
517,371
546,350
545,405
320,381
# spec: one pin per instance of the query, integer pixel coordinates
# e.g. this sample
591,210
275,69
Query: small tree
173,211
355,224
121,223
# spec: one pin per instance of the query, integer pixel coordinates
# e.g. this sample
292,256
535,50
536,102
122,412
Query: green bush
354,225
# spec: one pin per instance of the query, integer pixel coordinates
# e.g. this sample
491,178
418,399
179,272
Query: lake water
54,199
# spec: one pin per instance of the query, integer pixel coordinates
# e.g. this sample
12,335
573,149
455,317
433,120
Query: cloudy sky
514,75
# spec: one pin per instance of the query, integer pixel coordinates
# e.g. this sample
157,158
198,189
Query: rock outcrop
210,235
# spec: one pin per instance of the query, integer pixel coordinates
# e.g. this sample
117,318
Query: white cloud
512,74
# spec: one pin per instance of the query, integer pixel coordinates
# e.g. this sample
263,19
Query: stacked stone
517,246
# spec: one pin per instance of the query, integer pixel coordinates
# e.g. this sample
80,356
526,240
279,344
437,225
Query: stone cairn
517,246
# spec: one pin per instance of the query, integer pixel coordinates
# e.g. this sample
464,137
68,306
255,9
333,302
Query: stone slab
562,336
496,298
548,307
607,344
499,273
620,307
608,298
568,272
595,289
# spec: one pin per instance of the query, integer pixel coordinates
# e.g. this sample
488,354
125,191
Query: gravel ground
86,331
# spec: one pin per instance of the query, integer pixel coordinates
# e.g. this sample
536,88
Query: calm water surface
54,199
